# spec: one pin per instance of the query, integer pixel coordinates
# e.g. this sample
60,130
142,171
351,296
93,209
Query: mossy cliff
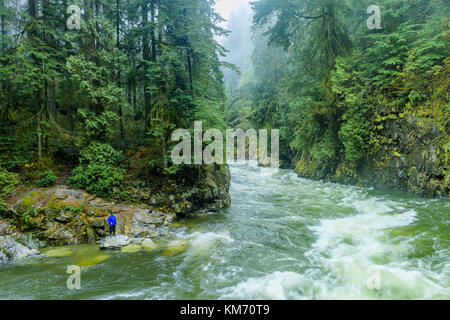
410,153
204,189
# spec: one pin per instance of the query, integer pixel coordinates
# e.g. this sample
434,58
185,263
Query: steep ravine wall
412,155
60,215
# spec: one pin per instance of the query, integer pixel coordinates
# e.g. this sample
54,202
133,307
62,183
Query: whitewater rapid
283,237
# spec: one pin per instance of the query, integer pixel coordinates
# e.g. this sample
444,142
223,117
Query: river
283,237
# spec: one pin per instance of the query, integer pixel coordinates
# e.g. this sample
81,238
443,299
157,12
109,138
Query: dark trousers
112,230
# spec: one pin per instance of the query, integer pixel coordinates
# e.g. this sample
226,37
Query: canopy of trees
106,96
329,82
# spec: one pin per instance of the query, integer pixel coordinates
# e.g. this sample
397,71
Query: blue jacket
112,220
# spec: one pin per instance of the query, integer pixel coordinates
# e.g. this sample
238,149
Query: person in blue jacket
112,224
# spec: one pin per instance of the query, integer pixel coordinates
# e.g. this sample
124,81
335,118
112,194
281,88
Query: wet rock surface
63,216
127,244
60,216
414,160
412,156
210,193
15,246
115,242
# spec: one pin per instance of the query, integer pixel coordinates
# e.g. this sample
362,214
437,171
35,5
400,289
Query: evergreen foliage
134,71
332,89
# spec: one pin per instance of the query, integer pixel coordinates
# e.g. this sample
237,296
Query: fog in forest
238,16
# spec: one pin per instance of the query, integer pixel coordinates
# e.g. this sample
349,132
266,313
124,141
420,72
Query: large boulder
115,243
62,216
11,250
206,190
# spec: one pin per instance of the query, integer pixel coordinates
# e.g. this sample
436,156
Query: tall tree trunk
118,64
32,33
158,51
52,99
160,30
97,15
128,93
134,95
164,150
152,29
71,108
189,61
188,53
38,123
146,57
3,27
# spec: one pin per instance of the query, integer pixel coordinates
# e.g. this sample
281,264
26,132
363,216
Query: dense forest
104,99
351,103
95,106
96,204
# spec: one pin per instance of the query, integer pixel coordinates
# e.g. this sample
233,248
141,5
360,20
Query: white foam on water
297,219
275,286
124,295
268,172
350,250
202,243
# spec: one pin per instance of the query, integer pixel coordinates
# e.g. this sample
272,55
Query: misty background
238,17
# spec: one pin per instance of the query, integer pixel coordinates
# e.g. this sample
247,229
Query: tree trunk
3,27
152,29
191,82
134,96
32,12
38,123
118,64
52,99
164,150
146,57
70,111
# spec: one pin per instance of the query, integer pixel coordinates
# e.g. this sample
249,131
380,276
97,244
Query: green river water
283,238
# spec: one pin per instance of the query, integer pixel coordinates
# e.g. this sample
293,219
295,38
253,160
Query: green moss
29,199
74,211
6,253
411,171
29,213
306,166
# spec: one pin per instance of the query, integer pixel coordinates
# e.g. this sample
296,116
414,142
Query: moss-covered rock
62,216
410,155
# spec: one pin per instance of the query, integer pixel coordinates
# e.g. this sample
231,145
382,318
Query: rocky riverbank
412,154
15,246
60,215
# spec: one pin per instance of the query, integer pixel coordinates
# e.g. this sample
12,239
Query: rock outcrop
127,244
414,159
15,246
411,155
115,243
210,193
60,215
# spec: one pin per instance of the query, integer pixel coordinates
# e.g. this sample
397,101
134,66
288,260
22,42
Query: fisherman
112,224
